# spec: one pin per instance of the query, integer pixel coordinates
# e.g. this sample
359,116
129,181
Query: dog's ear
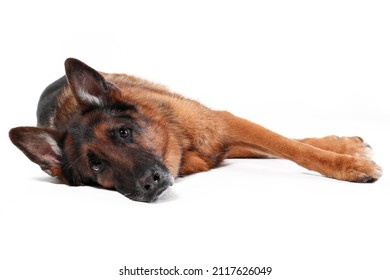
89,86
40,145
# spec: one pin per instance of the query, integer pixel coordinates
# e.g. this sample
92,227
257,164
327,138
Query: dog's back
48,105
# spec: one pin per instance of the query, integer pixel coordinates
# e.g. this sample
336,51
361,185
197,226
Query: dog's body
124,133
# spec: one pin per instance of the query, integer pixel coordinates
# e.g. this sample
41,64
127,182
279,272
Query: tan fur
173,136
210,136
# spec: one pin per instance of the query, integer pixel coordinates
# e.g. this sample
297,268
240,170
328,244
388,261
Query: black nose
150,182
153,181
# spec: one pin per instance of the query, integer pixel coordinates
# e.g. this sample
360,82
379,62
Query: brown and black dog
121,132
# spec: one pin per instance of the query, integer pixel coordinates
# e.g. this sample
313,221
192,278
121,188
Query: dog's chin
145,198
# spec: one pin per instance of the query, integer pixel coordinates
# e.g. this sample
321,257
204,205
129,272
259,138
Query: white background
301,68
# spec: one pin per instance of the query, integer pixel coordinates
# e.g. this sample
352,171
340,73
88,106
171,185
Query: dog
124,133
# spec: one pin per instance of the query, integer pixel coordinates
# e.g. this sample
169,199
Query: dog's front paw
359,169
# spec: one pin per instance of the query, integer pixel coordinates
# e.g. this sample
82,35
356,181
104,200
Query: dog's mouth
149,193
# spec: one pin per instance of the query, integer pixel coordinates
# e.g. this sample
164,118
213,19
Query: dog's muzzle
151,185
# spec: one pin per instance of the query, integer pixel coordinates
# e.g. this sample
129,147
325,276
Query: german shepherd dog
124,133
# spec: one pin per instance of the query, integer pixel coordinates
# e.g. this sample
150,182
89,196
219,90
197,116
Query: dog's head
108,142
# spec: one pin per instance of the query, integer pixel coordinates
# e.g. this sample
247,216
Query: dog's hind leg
243,133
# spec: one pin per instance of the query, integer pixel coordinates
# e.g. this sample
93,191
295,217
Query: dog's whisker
77,159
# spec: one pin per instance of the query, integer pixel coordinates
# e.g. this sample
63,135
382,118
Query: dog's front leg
245,134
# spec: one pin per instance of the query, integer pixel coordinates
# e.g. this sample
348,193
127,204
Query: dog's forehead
97,122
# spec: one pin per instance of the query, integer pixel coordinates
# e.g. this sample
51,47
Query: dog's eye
97,166
124,132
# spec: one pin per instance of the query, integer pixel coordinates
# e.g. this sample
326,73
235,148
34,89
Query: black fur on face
87,135
109,147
